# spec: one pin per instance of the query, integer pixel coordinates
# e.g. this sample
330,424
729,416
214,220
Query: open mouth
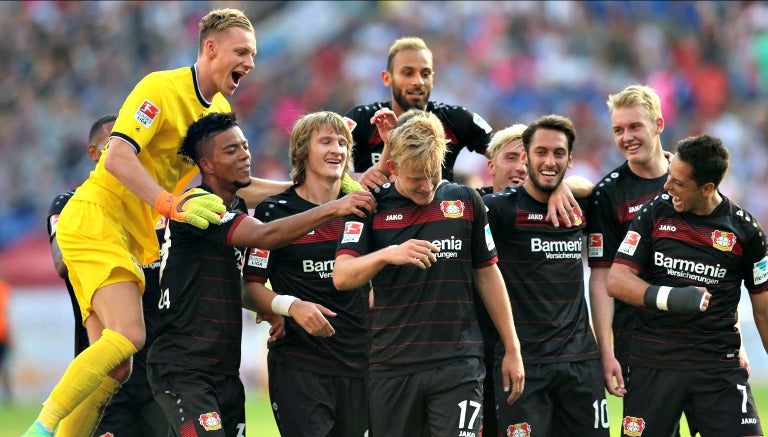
236,76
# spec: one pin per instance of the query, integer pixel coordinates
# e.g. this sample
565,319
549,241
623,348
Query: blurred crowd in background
66,63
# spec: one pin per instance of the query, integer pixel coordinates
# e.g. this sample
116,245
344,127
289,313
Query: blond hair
405,43
504,137
301,135
418,142
634,95
219,20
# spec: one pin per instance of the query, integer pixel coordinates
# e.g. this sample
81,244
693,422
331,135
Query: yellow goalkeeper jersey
154,118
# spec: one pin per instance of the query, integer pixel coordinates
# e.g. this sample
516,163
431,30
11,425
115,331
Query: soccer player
544,276
132,411
424,250
682,263
106,231
410,77
200,303
317,382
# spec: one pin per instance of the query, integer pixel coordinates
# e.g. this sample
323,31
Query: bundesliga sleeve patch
489,238
146,113
351,124
760,271
629,245
352,232
480,121
54,220
258,258
595,245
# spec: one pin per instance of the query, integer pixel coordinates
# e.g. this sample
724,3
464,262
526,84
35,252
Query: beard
546,188
399,95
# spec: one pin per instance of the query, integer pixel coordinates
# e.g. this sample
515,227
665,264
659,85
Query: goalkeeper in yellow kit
106,231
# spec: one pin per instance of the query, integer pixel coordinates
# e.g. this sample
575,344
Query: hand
196,207
561,201
385,120
277,325
611,373
372,178
420,253
358,203
513,376
311,317
744,360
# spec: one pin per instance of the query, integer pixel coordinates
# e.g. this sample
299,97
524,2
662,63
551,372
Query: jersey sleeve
635,249
756,260
355,237
53,213
603,230
142,112
258,262
483,245
473,131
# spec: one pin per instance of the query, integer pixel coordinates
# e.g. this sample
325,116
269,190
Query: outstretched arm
260,189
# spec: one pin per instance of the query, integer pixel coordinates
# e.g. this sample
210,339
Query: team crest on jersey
210,421
351,124
146,113
595,245
352,232
577,219
633,426
258,258
724,241
519,430
480,121
760,271
452,208
629,245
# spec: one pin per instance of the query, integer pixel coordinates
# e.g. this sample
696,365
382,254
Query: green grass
14,419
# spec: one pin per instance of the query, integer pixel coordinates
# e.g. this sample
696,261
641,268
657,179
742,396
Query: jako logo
535,216
670,228
391,217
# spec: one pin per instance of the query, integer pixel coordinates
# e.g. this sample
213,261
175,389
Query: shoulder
743,218
613,178
59,201
363,111
277,205
507,195
659,205
458,116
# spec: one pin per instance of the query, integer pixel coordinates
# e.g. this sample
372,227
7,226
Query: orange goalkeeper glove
196,207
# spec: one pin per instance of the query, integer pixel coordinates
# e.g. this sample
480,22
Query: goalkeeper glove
196,207
349,185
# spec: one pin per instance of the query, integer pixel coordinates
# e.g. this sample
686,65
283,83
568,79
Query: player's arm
602,308
122,162
490,286
562,201
351,271
624,283
252,232
308,315
378,174
260,189
581,187
760,313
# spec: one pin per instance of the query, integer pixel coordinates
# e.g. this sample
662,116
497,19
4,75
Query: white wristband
281,303
662,297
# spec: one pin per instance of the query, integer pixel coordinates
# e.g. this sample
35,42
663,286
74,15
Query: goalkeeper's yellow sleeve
196,207
349,185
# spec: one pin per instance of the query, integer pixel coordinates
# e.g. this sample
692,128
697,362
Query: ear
392,168
708,189
491,168
386,78
94,153
570,161
206,166
209,46
659,125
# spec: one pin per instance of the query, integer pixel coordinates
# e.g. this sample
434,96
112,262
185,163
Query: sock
84,375
86,416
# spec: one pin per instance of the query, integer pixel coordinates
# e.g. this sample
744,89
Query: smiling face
229,164
327,155
636,134
411,79
687,196
548,160
508,167
414,185
230,53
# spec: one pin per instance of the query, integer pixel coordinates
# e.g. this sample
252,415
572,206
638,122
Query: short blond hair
219,20
634,95
504,137
418,142
301,135
405,43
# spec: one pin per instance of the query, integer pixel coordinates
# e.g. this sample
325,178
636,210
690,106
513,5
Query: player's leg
533,411
722,403
455,398
397,405
581,408
644,413
231,393
352,418
303,402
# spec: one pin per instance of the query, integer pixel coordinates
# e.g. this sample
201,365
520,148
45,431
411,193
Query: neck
537,194
226,194
653,168
319,191
204,81
709,205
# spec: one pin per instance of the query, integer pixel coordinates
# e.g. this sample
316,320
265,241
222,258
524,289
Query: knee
123,371
135,334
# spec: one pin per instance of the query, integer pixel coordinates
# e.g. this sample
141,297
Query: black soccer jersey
305,269
615,201
200,306
463,128
718,252
424,318
544,274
